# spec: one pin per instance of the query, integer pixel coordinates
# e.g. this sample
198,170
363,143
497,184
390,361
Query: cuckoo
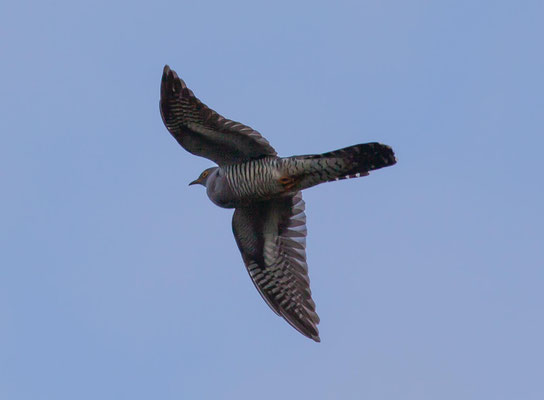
269,222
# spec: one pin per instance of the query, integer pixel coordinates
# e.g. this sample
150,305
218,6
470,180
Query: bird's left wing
271,236
202,131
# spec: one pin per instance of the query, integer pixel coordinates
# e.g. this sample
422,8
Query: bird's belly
223,202
252,187
242,201
239,188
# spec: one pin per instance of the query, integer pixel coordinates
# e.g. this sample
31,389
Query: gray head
203,178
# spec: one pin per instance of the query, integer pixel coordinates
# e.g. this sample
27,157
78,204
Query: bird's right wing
202,131
271,236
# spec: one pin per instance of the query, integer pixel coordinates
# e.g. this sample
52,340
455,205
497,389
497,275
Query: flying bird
269,222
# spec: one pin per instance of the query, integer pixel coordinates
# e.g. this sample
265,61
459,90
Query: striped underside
271,177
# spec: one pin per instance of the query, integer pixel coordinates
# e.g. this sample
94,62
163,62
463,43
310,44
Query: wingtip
170,79
316,339
168,75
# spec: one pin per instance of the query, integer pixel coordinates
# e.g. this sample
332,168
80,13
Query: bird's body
269,223
237,185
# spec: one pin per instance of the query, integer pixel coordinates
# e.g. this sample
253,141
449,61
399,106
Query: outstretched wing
271,236
202,131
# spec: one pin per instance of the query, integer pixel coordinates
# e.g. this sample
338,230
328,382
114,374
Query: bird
265,191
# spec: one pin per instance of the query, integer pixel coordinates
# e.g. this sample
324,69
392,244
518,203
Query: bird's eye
205,174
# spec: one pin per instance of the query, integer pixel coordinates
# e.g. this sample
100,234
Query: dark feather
271,236
202,131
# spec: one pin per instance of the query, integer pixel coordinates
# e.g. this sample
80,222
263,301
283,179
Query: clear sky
118,281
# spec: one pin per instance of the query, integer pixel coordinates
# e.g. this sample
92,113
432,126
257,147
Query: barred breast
255,180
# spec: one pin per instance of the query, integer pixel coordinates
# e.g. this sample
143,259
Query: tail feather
349,162
358,160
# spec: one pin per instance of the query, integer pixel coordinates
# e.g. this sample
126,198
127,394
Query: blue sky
119,281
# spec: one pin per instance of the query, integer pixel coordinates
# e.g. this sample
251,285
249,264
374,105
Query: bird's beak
194,182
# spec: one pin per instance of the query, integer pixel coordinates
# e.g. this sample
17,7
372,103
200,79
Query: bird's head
203,178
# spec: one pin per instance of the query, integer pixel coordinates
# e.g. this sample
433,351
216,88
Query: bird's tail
349,162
